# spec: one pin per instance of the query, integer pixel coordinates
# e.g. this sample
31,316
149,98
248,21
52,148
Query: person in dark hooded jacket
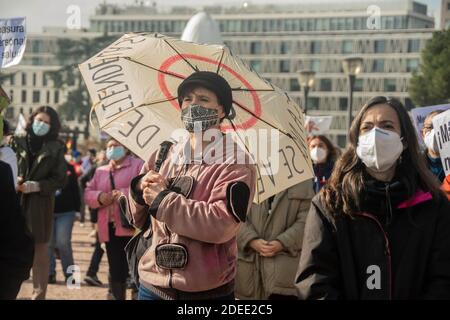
16,242
380,228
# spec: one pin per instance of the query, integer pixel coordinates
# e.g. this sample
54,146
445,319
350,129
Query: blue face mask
115,153
40,128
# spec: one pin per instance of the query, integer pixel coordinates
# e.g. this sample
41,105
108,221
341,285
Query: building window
413,45
9,113
409,104
255,48
36,96
34,79
412,65
56,97
315,65
313,103
11,95
380,46
44,79
389,85
378,65
12,79
24,79
315,47
285,66
325,84
293,85
343,104
358,86
255,65
347,46
48,97
285,47
341,140
24,96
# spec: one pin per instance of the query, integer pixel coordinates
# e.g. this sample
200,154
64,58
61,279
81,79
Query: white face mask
430,141
318,155
379,149
68,157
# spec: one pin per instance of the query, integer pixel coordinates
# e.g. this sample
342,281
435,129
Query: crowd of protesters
373,223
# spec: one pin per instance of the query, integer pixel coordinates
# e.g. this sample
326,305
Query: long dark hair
55,124
332,151
345,189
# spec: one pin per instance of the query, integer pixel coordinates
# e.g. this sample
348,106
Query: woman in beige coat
269,245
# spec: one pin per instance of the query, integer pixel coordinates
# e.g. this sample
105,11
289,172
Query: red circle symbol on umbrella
255,114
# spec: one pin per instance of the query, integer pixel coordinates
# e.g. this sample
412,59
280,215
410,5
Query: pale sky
41,13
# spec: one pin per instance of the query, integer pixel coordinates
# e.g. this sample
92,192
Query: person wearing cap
197,201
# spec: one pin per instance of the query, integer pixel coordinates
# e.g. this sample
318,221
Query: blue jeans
145,294
62,239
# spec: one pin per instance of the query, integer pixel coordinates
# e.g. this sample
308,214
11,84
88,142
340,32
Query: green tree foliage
431,84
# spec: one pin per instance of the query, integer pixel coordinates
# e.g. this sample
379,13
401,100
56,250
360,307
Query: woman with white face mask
431,155
323,156
379,228
42,171
102,192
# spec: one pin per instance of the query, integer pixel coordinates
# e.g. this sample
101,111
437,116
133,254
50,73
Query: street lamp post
352,67
306,80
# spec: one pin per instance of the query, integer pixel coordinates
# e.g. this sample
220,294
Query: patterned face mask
196,116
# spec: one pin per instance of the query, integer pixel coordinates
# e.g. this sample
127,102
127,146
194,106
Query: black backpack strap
162,155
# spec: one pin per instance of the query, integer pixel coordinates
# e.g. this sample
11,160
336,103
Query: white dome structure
201,28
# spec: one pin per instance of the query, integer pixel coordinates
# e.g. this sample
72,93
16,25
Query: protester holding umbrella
103,191
323,155
42,170
379,228
201,222
431,154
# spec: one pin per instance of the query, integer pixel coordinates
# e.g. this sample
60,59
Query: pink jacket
202,223
129,168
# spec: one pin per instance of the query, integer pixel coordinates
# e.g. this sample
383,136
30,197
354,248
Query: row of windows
35,96
136,26
285,66
326,85
317,47
25,79
269,25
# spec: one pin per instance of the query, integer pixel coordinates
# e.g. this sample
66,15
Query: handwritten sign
419,115
441,125
12,41
316,125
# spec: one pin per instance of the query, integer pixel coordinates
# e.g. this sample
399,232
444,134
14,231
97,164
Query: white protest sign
316,125
441,125
21,125
419,115
12,41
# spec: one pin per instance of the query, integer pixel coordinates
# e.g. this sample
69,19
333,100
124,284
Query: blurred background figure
86,164
91,275
42,171
323,155
102,192
67,204
6,153
269,245
431,153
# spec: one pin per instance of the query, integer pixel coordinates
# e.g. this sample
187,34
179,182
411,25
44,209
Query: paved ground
82,250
